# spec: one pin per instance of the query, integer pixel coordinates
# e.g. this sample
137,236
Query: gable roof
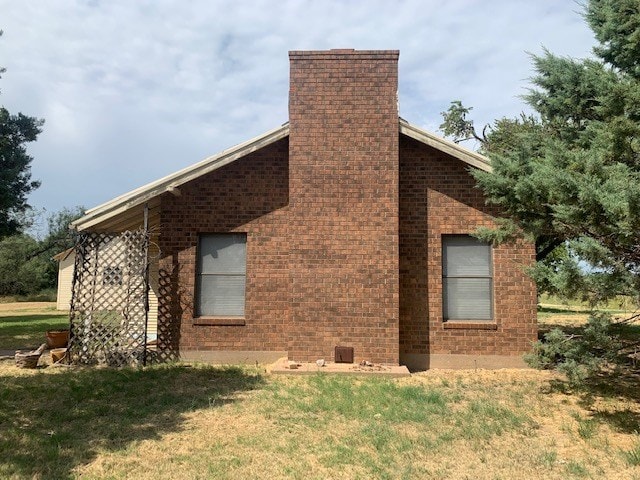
170,183
468,156
59,257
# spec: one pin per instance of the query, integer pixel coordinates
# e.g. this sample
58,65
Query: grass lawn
553,312
200,422
24,324
189,422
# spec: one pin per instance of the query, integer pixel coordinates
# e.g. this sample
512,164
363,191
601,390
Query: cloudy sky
134,90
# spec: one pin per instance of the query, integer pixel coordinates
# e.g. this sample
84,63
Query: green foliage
26,264
20,271
457,125
59,238
507,133
617,27
15,170
568,177
572,182
569,94
581,354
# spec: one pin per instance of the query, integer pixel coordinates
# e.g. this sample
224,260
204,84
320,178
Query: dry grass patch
56,421
200,422
26,308
441,424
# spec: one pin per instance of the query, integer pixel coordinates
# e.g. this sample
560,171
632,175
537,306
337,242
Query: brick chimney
343,191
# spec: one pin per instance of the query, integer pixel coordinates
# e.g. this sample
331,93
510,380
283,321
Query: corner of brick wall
438,196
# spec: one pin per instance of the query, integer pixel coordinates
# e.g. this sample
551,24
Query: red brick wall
438,197
249,195
344,223
343,156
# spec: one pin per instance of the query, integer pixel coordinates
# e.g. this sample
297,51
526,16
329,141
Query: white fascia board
145,193
468,156
121,204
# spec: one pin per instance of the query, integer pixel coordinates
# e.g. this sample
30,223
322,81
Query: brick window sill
462,325
220,321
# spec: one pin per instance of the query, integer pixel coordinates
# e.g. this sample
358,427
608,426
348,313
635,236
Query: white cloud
131,91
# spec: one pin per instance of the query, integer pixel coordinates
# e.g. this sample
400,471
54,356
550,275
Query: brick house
346,226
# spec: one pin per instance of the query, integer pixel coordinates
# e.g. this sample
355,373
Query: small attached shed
66,262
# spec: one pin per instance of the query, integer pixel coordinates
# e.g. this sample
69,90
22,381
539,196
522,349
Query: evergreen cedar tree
568,178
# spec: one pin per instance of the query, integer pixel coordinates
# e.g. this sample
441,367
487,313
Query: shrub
580,354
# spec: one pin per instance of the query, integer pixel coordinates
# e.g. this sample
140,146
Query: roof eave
468,156
145,193
118,205
61,256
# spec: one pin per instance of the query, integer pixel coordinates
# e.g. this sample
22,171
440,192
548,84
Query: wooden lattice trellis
109,304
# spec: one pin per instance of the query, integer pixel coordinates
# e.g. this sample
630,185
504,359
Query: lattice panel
109,302
168,321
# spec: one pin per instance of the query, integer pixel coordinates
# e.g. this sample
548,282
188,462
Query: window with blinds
467,282
222,268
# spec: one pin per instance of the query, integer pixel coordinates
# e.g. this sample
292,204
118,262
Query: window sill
221,321
464,325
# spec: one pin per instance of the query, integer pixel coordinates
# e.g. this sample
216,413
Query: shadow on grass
29,330
544,328
623,385
621,392
52,422
613,394
564,311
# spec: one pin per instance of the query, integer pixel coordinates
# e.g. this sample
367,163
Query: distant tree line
26,263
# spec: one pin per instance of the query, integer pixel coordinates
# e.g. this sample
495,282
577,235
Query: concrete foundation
230,356
420,362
